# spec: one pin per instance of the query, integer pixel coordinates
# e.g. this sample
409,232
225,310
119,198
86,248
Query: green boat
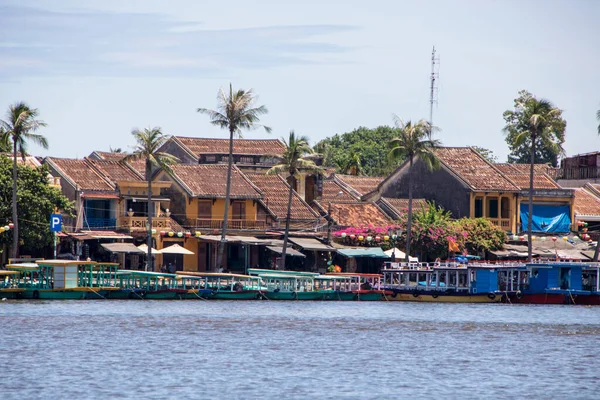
9,287
360,287
222,286
288,285
63,279
139,285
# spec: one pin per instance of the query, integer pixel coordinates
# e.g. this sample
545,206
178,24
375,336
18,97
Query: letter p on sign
55,223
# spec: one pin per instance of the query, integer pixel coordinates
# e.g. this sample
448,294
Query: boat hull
11,293
293,295
241,295
357,295
437,297
588,300
538,298
51,294
167,294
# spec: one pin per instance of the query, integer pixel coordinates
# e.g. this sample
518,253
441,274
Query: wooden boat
64,279
450,283
288,285
549,283
138,285
223,286
362,287
9,286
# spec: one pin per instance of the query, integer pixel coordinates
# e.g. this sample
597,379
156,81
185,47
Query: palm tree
539,119
114,150
18,128
294,159
353,165
235,112
413,140
148,142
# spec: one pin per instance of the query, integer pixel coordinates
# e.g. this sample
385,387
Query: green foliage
430,230
369,144
432,214
36,200
295,157
534,121
479,234
486,153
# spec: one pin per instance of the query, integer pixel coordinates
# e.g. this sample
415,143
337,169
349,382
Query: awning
375,252
311,244
137,198
400,255
289,251
122,248
175,249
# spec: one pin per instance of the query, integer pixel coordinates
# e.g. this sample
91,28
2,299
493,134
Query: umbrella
399,254
144,248
175,249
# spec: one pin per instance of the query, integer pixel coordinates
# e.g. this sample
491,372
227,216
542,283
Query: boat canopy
122,248
289,251
255,271
212,275
375,252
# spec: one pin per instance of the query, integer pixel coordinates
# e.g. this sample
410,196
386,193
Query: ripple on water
154,349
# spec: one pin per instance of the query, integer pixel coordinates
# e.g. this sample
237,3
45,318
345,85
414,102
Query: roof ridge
100,172
494,167
181,145
65,176
295,193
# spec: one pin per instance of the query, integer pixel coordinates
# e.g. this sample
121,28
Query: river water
297,350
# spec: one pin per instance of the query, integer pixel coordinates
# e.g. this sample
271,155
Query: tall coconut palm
353,165
536,120
295,158
18,129
413,141
235,112
148,142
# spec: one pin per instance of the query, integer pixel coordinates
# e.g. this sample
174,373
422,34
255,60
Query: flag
453,246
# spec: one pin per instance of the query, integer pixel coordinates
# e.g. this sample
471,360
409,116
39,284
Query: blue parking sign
55,222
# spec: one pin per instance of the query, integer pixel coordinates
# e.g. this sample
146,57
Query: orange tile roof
276,191
472,168
519,175
331,192
259,147
358,214
209,181
401,205
30,161
586,203
82,174
138,165
360,184
116,171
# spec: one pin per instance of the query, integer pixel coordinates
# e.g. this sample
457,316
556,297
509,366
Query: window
246,160
492,210
238,210
205,209
478,207
210,159
505,207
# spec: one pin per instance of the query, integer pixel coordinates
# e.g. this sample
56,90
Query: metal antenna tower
434,77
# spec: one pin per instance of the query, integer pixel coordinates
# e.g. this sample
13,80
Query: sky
96,69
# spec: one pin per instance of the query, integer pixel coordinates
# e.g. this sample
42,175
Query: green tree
546,141
370,144
148,142
36,199
413,140
294,159
534,122
4,141
114,150
486,153
480,235
18,128
235,111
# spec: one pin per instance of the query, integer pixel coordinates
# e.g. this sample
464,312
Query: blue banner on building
550,219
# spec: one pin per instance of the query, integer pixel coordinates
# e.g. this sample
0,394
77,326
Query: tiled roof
519,175
586,203
276,191
360,184
358,214
331,192
472,168
30,161
138,165
401,205
259,147
82,174
209,181
116,171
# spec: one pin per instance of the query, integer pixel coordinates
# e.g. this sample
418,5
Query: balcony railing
234,224
139,223
100,223
503,223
